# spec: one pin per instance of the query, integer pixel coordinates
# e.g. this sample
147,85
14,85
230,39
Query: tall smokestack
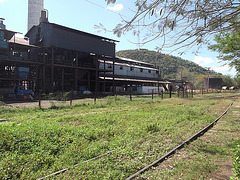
34,12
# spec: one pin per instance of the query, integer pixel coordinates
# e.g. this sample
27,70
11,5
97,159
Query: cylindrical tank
34,12
2,26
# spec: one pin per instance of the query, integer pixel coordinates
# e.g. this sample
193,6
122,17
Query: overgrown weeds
37,142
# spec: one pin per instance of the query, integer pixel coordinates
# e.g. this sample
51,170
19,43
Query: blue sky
85,14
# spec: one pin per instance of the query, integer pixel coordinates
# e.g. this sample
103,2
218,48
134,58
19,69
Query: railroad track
164,157
180,146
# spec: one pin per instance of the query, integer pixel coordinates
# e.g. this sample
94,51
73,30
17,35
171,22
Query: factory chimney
34,12
44,16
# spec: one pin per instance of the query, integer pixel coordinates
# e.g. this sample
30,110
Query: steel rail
3,120
63,170
173,151
94,158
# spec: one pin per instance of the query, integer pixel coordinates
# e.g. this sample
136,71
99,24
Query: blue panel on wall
3,44
22,72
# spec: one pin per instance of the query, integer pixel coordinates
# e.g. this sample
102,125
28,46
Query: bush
236,161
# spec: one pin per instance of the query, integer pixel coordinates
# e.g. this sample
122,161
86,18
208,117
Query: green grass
204,156
37,142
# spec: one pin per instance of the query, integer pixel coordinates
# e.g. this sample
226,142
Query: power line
106,9
138,32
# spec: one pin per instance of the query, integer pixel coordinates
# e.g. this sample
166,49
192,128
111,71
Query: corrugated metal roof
19,40
135,80
82,32
135,61
76,31
8,34
129,65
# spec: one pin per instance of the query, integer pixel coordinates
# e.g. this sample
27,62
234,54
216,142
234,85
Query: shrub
236,161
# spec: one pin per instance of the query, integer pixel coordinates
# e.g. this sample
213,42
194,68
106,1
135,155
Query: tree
228,81
184,74
185,22
199,82
228,47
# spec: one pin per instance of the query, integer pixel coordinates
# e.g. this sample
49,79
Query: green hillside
170,66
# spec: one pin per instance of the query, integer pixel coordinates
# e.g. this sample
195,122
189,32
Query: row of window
132,69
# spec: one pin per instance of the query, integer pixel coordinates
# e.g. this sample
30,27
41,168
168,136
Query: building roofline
132,60
9,34
76,31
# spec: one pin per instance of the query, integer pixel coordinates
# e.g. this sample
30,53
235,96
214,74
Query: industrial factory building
57,58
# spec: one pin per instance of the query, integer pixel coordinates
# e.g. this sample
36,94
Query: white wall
126,70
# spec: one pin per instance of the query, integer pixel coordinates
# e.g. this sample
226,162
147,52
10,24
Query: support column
76,73
97,76
44,72
62,79
37,85
52,70
114,88
104,81
89,79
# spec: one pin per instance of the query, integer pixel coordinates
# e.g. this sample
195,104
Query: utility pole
208,80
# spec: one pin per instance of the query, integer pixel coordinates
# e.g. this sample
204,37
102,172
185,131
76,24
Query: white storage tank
34,12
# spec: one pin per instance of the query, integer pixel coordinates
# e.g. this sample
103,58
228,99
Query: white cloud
224,69
203,61
215,65
2,1
117,7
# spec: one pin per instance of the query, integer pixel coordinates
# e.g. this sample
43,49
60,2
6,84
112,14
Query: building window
121,67
149,71
141,69
131,68
109,66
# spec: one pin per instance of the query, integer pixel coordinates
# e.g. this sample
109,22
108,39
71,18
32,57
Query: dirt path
211,153
225,167
32,104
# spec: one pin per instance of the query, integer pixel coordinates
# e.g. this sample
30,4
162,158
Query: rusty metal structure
58,58
15,64
214,83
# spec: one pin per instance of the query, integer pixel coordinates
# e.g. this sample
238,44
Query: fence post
152,93
187,92
71,98
170,91
95,97
131,94
39,98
